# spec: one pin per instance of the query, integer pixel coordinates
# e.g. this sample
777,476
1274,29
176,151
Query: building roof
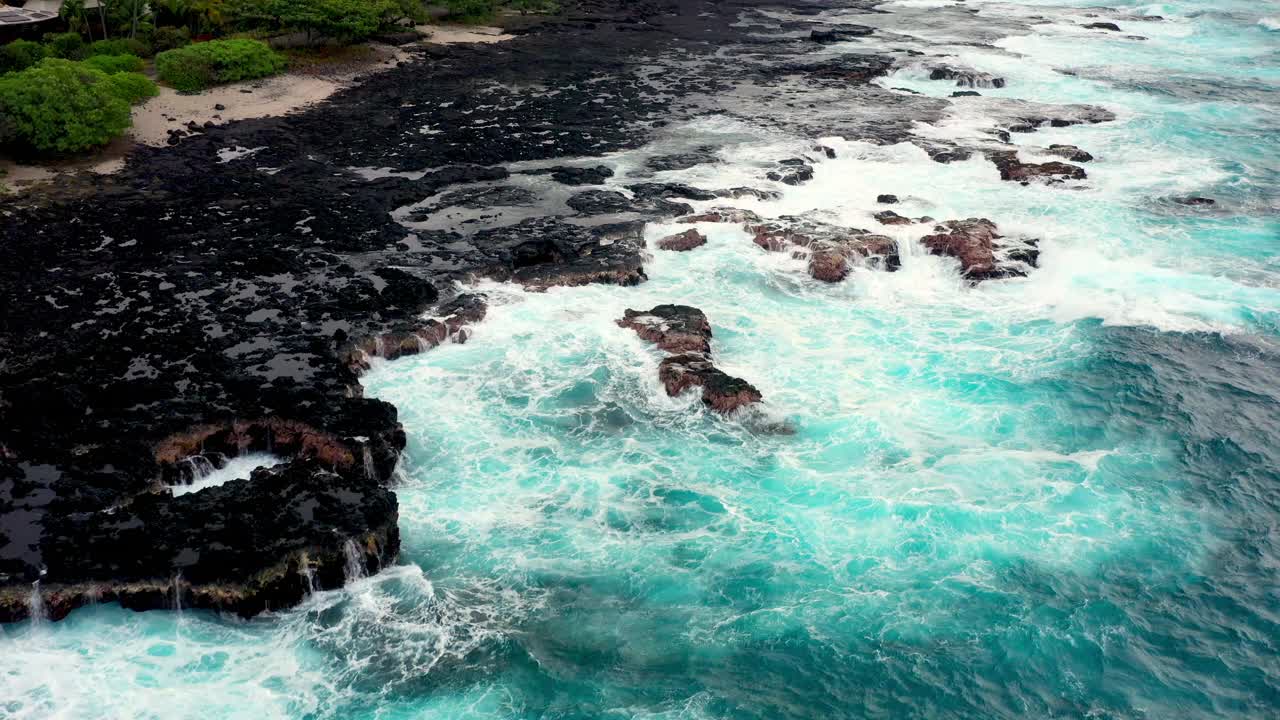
34,11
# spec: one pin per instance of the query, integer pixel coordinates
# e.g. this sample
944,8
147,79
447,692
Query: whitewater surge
1049,496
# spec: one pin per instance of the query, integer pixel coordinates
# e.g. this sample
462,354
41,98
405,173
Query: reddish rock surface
682,242
1013,169
975,242
685,332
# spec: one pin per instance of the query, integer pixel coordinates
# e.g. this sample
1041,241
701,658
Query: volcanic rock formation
685,332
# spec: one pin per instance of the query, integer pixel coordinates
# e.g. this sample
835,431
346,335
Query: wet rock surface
222,295
1070,152
683,242
966,77
1014,170
685,332
983,253
831,249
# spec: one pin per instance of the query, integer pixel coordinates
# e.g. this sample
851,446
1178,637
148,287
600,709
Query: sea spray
307,574
354,568
35,605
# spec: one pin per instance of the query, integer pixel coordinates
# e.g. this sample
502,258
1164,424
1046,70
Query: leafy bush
62,106
119,46
344,20
534,6
132,87
20,55
470,10
111,64
168,38
198,66
68,46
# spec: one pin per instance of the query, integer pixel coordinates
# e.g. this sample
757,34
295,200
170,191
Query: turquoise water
1046,497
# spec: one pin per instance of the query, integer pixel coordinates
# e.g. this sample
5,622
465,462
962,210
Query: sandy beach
268,97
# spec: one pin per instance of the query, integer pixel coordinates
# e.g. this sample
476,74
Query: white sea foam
240,468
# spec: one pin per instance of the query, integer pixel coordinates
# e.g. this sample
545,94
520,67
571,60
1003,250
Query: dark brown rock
721,392
685,332
1014,170
674,328
1070,152
974,242
722,215
889,217
681,242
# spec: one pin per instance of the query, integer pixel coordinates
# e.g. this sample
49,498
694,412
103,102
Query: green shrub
62,106
198,66
470,10
112,64
168,38
119,46
132,87
68,46
20,55
343,20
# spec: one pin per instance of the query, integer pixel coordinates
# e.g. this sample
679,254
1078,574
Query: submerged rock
685,332
1103,26
1194,200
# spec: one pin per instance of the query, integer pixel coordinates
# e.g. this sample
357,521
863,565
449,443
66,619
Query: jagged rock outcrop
966,77
612,202
830,248
840,33
685,332
703,155
595,175
983,253
722,215
1070,152
682,242
792,171
242,547
889,217
1014,170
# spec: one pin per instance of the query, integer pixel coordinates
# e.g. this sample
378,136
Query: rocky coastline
223,295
